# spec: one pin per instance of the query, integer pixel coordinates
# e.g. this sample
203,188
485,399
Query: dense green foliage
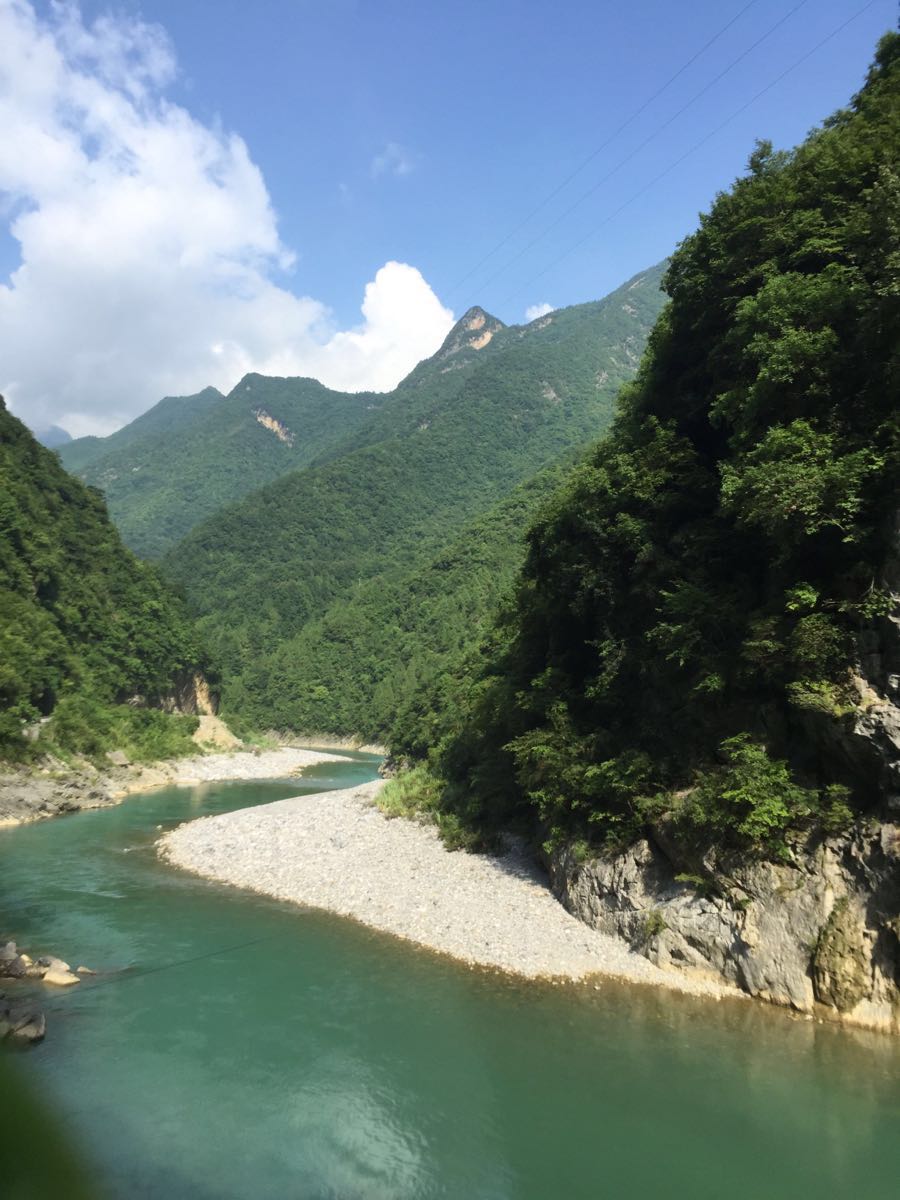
84,725
188,456
170,416
686,623
334,593
84,625
386,661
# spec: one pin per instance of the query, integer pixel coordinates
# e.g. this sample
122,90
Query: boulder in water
49,960
29,1027
14,968
59,977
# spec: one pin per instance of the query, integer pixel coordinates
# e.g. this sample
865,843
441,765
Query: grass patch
417,794
412,793
654,924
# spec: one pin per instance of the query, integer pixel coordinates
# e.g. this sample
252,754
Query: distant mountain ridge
163,419
159,486
494,406
186,457
53,436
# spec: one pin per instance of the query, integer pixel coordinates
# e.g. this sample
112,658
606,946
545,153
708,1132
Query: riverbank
328,741
32,794
337,851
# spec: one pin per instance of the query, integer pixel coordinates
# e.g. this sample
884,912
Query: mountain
53,437
159,486
84,625
692,703
187,456
166,418
704,640
490,409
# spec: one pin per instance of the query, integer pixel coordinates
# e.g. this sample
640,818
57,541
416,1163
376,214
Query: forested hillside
188,456
705,623
170,416
388,659
493,407
84,625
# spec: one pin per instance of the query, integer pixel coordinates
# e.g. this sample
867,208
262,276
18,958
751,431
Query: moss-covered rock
841,970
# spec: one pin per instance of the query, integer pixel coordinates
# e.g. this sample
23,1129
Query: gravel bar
337,851
220,768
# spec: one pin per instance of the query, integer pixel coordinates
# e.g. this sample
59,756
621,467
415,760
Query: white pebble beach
337,851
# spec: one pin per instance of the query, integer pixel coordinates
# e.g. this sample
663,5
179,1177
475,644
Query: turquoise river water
235,1048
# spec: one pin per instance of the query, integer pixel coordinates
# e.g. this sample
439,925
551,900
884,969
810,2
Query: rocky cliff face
190,694
819,932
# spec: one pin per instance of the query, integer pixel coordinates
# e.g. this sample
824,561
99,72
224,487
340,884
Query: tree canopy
688,620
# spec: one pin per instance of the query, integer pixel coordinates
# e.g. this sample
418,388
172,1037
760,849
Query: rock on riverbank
338,851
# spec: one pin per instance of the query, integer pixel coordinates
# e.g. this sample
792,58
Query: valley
485,782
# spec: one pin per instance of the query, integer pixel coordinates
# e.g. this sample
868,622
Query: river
236,1048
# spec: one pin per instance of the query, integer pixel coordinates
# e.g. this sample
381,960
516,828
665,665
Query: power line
599,150
678,161
126,975
656,132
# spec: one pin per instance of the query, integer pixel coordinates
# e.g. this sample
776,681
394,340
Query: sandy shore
337,851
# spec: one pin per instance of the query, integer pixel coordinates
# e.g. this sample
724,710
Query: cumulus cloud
149,246
393,160
533,311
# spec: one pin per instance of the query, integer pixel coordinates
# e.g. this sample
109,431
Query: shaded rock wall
818,934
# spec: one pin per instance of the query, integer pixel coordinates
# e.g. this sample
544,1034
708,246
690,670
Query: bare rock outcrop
818,933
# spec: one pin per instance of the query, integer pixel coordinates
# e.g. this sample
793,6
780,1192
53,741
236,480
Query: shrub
749,802
85,726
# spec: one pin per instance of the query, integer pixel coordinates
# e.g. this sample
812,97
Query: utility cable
632,154
678,161
599,150
123,976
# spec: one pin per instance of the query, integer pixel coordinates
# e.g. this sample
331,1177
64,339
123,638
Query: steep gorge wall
819,932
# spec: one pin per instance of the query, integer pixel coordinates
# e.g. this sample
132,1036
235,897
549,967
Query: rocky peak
472,331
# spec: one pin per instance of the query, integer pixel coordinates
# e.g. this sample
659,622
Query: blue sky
427,133
495,103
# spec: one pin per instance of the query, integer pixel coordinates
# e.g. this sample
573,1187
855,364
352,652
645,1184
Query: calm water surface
293,1054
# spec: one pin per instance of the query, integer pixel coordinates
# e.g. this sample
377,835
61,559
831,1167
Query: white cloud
393,160
533,311
400,311
149,246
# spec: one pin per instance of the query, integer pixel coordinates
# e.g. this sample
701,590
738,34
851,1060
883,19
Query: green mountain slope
493,407
83,623
165,418
180,462
386,661
706,622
